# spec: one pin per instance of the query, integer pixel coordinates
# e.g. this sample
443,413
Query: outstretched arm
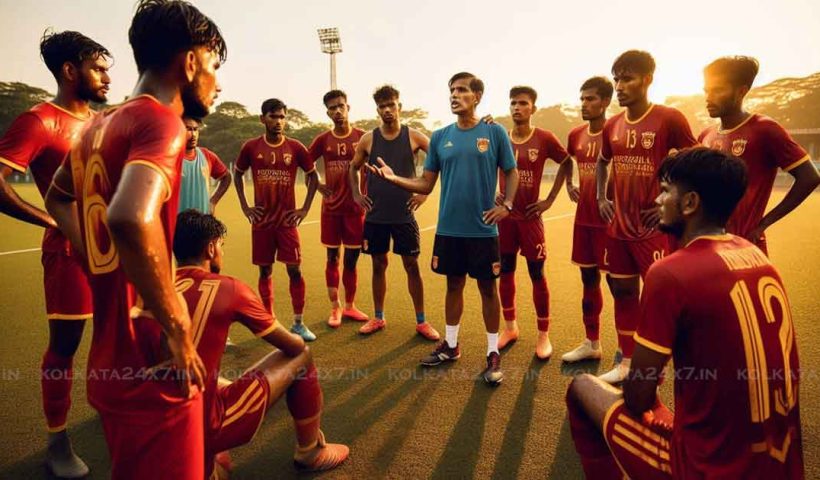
12,205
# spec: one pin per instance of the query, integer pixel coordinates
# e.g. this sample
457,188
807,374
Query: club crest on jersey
532,154
288,158
434,262
647,139
483,144
739,146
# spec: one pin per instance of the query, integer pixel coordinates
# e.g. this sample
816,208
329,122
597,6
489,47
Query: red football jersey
337,152
719,308
765,146
40,139
636,150
531,154
127,339
215,302
216,169
585,147
273,168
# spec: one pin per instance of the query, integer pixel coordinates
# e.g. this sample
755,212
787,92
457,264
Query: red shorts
68,294
165,444
630,258
340,230
641,451
526,235
279,243
588,245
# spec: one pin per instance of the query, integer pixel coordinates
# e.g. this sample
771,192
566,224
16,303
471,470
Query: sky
273,46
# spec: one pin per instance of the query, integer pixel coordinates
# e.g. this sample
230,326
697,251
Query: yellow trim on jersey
725,237
59,189
353,247
594,134
349,131
744,122
237,170
522,141
652,345
56,429
633,122
621,275
331,246
154,166
797,163
12,165
778,454
265,139
308,172
190,267
584,265
72,316
662,466
625,332
91,112
609,413
268,330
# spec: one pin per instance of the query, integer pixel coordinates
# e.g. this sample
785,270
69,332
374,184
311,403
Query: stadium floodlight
331,44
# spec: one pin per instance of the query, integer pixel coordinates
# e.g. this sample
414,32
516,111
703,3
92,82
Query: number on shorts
540,247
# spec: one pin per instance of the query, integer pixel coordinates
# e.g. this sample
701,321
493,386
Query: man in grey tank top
390,208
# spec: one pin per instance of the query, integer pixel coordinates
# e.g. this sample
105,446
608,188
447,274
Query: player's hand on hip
534,210
755,235
607,209
363,201
187,363
382,169
295,217
573,192
495,215
415,202
254,214
324,190
651,217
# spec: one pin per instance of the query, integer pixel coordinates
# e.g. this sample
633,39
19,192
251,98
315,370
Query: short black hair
524,90
198,120
69,46
163,28
719,179
273,104
635,61
476,85
334,94
740,70
384,93
193,232
603,87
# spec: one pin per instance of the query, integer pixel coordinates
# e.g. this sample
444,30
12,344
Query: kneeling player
234,411
733,343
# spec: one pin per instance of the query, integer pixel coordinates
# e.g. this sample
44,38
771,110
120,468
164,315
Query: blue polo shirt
468,162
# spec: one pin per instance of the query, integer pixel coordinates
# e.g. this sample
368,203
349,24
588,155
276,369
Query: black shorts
406,238
460,256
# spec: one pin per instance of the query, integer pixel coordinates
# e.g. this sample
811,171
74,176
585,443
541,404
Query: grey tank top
390,201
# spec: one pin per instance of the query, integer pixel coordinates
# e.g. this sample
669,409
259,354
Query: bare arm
221,188
605,206
564,170
290,344
641,384
62,205
139,236
359,160
254,214
423,184
806,181
422,143
295,217
12,205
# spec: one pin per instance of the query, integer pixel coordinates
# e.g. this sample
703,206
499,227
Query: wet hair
273,104
385,93
69,46
524,90
603,87
161,29
333,94
198,120
718,178
476,85
740,70
634,61
193,232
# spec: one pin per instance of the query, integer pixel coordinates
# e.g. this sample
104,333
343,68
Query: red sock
596,458
304,399
541,298
591,306
506,290
627,315
266,292
350,279
57,373
332,278
297,295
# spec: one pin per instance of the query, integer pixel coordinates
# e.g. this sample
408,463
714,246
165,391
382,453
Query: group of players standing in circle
126,187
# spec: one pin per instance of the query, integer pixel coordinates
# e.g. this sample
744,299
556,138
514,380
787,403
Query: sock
591,306
451,335
492,342
297,318
541,299
379,314
332,281
57,372
297,295
350,279
420,318
627,315
506,290
266,293
304,400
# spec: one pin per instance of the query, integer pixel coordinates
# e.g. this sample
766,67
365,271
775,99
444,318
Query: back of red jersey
273,168
337,153
40,139
531,155
215,302
636,149
719,308
585,148
126,339
764,146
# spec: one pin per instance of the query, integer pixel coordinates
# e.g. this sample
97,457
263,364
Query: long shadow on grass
566,464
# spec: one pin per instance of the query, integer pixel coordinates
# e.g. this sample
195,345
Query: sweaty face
388,110
462,98
592,105
191,133
669,201
94,79
721,95
274,122
198,95
521,108
337,109
630,87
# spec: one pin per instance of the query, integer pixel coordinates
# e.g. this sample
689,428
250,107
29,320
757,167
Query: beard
86,92
215,268
192,103
674,229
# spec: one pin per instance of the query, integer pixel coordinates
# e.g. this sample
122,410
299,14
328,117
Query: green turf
400,421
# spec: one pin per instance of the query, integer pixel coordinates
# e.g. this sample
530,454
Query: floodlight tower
331,44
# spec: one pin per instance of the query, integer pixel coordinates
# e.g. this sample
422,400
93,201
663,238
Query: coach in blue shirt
468,155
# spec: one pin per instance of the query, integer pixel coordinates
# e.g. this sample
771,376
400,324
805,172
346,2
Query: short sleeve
250,312
702,136
243,161
506,157
316,148
555,150
158,141
606,146
22,142
303,157
218,169
783,150
662,303
571,143
432,163
680,134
